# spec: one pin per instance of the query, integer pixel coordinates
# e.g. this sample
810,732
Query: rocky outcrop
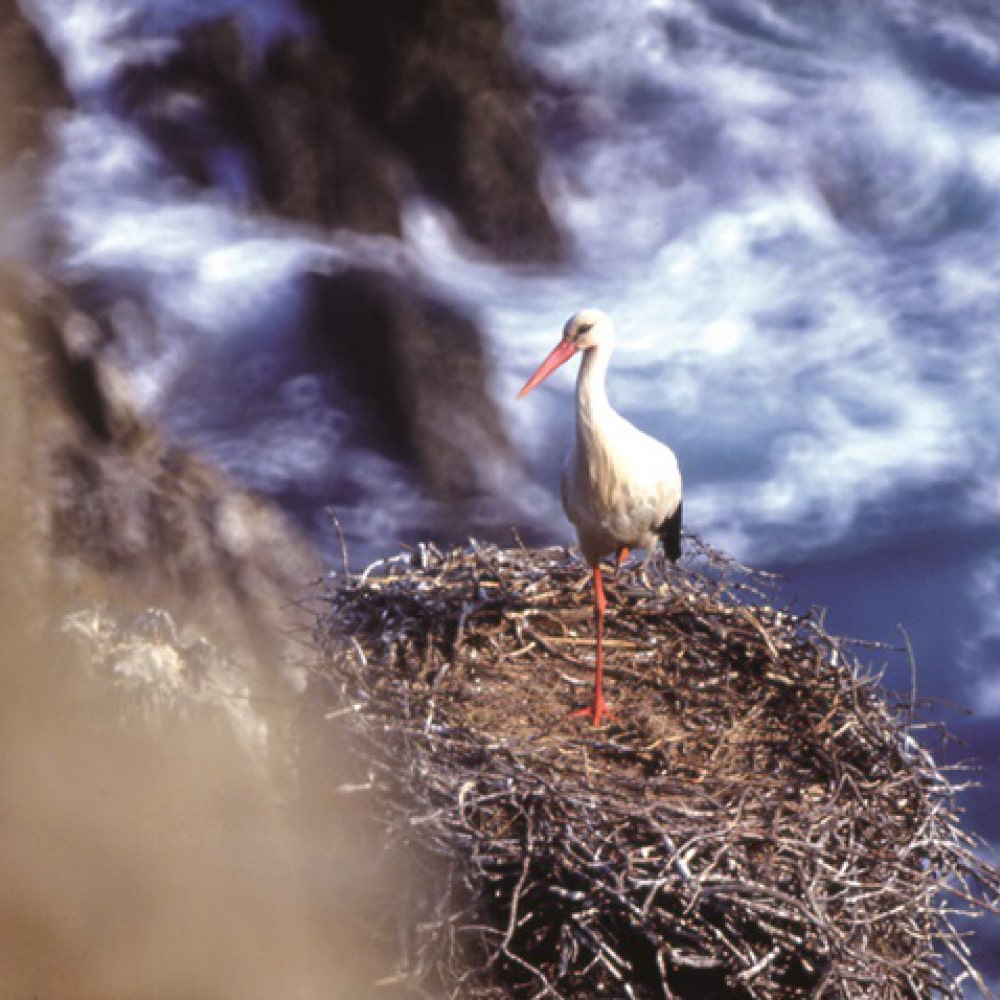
283,134
336,129
421,366
107,507
437,79
32,85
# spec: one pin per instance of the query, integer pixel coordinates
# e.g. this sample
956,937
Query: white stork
621,488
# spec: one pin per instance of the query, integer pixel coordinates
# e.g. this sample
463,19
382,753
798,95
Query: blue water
789,208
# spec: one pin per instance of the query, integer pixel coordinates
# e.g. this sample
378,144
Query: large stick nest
754,821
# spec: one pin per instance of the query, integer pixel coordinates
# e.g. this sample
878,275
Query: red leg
599,709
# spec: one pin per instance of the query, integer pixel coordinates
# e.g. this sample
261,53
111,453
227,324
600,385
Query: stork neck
591,395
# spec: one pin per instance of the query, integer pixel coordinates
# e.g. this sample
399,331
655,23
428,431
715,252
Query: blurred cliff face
156,865
152,854
142,865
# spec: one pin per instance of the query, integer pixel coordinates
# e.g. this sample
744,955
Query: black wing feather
670,533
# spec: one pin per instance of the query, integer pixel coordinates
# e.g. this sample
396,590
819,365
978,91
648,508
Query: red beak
561,353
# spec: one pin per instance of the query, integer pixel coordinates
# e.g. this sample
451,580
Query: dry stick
913,672
338,527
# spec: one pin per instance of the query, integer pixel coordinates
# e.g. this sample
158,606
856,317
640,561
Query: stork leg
599,709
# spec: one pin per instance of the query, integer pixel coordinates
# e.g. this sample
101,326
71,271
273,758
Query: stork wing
670,533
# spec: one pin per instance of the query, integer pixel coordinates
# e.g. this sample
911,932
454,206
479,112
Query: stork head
583,330
588,328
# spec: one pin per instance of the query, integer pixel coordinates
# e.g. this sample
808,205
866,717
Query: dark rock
194,104
107,506
421,366
281,134
437,78
319,160
327,130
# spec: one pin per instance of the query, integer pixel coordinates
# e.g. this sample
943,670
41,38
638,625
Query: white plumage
621,488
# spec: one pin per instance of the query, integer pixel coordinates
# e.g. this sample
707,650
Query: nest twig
755,821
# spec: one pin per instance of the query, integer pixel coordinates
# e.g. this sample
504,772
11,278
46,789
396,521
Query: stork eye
584,328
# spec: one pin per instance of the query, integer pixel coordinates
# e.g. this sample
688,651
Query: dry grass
755,821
